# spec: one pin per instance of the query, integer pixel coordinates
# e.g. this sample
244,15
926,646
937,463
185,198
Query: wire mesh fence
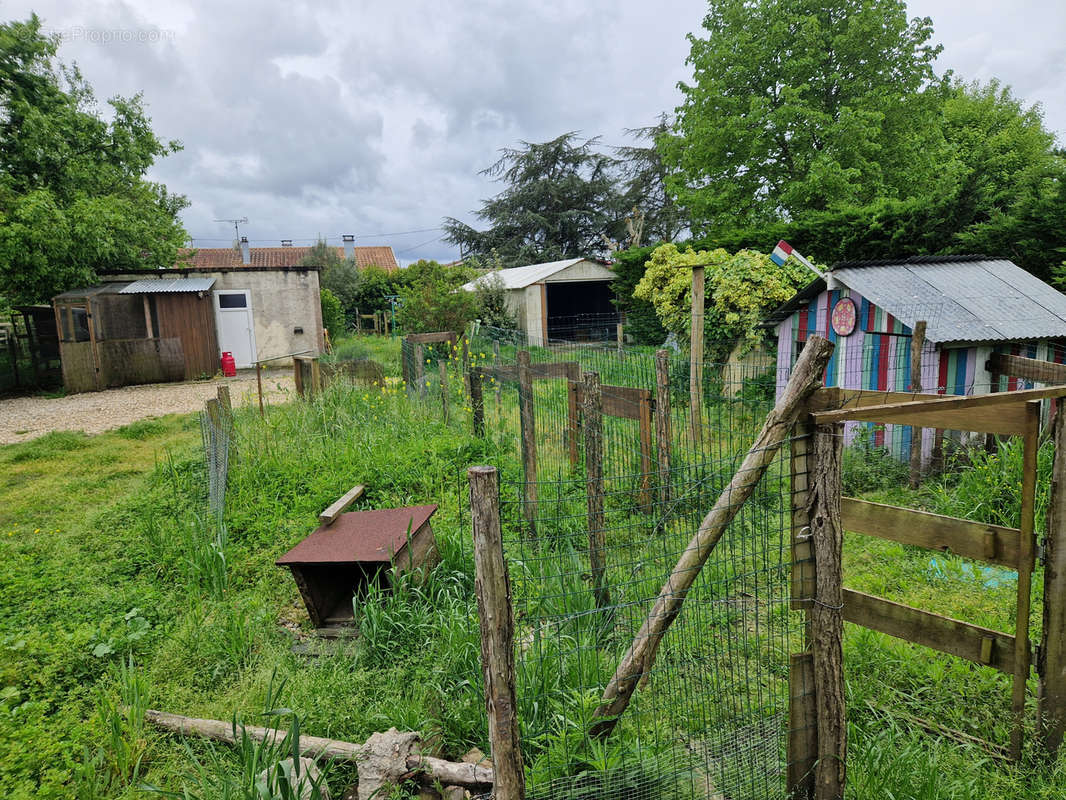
589,557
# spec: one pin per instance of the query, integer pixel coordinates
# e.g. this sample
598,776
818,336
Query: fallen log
638,660
436,769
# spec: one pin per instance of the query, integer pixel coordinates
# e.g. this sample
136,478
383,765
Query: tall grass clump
987,486
251,769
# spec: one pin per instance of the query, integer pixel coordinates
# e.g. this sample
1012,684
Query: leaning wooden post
662,421
1051,698
477,402
917,343
806,377
827,609
224,399
496,620
442,369
695,372
592,410
529,438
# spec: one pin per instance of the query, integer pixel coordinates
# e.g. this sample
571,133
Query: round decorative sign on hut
844,316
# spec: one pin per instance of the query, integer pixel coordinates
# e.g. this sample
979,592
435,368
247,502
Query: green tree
654,214
740,288
561,201
339,275
73,196
800,105
432,300
1000,151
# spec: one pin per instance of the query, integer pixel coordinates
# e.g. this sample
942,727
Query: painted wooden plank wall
876,355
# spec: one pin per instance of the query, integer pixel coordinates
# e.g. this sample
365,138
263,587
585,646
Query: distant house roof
521,277
961,298
230,258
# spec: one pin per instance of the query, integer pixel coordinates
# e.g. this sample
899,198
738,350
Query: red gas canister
229,366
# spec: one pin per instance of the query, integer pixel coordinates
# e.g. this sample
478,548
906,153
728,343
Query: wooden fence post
827,610
466,364
477,402
644,413
917,343
316,377
1025,576
573,419
496,621
496,364
695,374
592,411
224,399
298,375
259,385
420,369
442,369
803,723
1051,703
621,340
529,439
662,421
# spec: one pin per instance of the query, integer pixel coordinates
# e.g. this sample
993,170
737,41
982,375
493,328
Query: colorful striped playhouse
973,306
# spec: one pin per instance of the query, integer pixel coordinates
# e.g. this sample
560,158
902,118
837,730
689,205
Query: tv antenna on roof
236,223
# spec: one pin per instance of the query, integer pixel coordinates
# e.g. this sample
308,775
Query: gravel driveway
23,418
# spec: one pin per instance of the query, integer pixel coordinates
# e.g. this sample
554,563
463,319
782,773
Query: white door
233,315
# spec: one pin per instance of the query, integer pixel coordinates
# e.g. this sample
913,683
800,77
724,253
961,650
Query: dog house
341,559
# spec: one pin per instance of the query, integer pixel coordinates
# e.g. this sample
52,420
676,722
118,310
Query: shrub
491,296
332,314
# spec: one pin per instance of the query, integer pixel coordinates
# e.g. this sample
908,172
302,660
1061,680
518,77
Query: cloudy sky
374,118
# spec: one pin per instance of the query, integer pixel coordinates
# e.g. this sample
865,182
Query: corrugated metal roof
521,277
962,299
168,286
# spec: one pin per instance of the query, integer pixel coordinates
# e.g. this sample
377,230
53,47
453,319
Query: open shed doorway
581,310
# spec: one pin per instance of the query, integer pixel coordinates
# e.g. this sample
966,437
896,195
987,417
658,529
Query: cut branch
447,772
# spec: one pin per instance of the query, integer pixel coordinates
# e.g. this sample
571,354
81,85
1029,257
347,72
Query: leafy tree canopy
432,301
800,105
559,202
740,288
73,196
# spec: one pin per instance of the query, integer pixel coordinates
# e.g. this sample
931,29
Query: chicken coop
147,331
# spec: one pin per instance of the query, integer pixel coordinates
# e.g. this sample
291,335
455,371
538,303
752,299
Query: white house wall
282,301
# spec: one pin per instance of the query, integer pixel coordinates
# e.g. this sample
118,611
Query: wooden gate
816,726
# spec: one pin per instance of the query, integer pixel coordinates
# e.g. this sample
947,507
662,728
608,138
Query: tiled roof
230,258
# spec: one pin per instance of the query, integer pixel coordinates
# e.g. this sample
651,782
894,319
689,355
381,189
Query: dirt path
23,418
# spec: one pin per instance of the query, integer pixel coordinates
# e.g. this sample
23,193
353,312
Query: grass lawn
110,602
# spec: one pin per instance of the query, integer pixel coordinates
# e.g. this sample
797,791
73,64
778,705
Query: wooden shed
144,331
342,558
977,310
570,299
